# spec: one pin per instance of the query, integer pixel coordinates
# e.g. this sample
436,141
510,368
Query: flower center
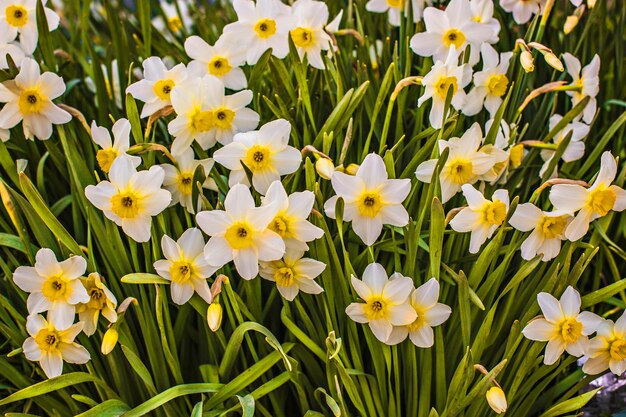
163,88
618,350
48,340
280,225
460,170
175,24
239,235
396,4
125,205
444,83
55,288
16,15
201,121
284,277
369,203
552,227
258,157
420,321
601,200
185,180
494,213
219,66
376,308
105,158
265,28
570,330
497,84
30,101
181,271
454,37
223,118
302,37
97,300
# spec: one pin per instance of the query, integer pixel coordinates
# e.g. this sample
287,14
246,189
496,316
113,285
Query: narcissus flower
53,286
562,325
430,313
9,47
308,33
608,349
370,198
29,98
587,81
291,221
176,23
293,273
482,13
111,150
490,84
102,301
50,344
593,202
482,217
385,301
240,233
157,84
20,17
261,26
395,8
265,152
131,198
548,230
184,265
575,149
522,10
221,60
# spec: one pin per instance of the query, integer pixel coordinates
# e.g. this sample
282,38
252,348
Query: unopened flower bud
496,399
591,3
570,24
515,155
352,169
527,61
214,316
109,341
324,168
554,62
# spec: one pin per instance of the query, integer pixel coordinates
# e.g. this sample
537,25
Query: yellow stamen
30,101
552,227
601,200
497,84
16,15
258,157
105,158
201,121
184,182
618,350
265,28
285,277
48,339
126,205
570,330
163,88
181,271
494,213
239,235
376,308
303,37
56,288
280,225
223,118
369,203
454,37
460,170
443,84
219,66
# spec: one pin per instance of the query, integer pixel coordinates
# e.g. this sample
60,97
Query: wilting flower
482,217
385,301
491,83
293,273
131,198
53,286
240,233
608,349
522,10
575,149
394,9
111,150
221,60
20,17
496,399
548,230
308,33
430,313
157,85
184,265
562,325
593,202
265,152
101,301
50,344
29,98
588,82
371,199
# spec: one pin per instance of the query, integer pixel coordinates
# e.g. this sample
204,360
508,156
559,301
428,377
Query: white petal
550,307
539,329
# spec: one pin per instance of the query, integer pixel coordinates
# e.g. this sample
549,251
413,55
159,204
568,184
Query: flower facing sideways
608,349
50,344
308,34
101,301
575,148
490,84
385,301
111,150
53,286
562,325
587,81
522,10
293,273
221,60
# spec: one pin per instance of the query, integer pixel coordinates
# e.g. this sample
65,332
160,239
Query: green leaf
143,278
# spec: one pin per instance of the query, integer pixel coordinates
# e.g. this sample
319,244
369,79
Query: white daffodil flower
548,230
442,77
101,301
588,82
307,34
293,273
53,286
430,313
394,9
593,202
184,265
482,13
370,198
261,26
131,198
29,98
50,344
111,150
385,301
157,84
240,233
482,217
265,152
490,84
562,325
173,21
608,349
20,17
575,149
291,222
523,10
465,163
221,60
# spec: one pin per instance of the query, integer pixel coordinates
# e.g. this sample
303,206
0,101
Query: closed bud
515,155
109,341
352,169
324,168
591,3
570,24
527,61
554,62
497,400
214,316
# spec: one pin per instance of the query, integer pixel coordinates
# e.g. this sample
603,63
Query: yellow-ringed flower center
618,350
163,88
396,4
56,288
284,277
493,213
223,118
126,205
48,340
175,24
443,84
181,271
303,37
497,84
280,225
265,28
570,330
460,170
601,200
16,15
369,203
97,299
105,158
420,321
552,227
219,66
454,37
258,157
30,101
240,235
376,308
184,182
201,121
